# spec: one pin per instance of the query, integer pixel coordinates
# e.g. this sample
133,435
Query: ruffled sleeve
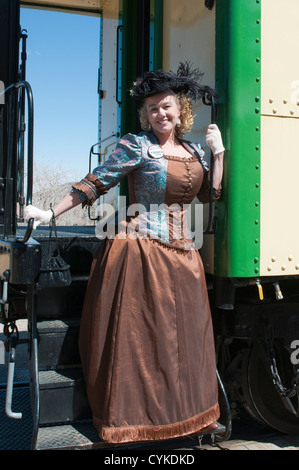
126,157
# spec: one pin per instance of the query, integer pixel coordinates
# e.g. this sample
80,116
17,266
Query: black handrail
16,87
209,4
92,152
118,42
209,100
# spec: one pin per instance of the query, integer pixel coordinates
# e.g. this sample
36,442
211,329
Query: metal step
63,396
58,342
70,436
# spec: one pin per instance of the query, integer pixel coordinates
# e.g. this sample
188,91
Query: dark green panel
134,56
156,35
129,18
238,72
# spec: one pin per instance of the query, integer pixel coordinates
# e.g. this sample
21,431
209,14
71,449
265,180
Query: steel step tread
61,377
58,342
54,325
69,436
63,397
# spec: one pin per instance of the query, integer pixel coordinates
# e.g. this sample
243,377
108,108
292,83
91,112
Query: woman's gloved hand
214,139
40,217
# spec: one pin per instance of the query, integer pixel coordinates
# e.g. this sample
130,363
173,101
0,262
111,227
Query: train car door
189,35
109,125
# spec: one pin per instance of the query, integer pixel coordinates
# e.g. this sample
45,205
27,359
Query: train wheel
247,401
263,401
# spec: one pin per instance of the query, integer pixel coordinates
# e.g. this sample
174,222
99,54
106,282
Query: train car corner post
238,81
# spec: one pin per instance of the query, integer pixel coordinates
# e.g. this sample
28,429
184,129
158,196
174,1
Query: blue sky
62,69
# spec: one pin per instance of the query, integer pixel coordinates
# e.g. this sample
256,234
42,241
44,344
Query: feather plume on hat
184,80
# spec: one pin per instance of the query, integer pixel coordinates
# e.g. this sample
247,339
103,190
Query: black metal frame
209,100
15,88
9,73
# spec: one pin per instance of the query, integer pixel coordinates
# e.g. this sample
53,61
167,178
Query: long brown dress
146,338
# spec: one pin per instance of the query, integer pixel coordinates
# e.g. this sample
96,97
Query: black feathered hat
185,80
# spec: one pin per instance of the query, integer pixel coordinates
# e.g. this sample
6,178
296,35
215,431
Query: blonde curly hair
186,115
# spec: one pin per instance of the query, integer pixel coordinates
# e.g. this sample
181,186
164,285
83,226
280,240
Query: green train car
247,51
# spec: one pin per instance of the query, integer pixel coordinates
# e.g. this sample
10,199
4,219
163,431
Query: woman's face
163,112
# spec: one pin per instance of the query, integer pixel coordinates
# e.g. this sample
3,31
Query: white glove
214,139
40,217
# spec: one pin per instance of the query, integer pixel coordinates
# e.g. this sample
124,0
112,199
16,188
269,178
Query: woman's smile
163,112
163,121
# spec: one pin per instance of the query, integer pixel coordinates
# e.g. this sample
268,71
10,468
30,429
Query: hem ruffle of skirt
118,435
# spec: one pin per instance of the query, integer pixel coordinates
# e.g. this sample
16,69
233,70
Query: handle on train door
209,100
93,152
118,63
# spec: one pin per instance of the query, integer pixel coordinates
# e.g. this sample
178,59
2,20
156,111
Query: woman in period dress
146,338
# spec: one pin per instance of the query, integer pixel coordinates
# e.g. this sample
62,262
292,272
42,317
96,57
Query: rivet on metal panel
283,267
292,112
290,257
269,268
285,101
273,259
297,267
271,100
274,111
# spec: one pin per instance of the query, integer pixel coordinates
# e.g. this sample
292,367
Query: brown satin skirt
146,343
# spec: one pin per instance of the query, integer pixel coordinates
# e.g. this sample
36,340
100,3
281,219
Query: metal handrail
92,152
17,86
209,100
